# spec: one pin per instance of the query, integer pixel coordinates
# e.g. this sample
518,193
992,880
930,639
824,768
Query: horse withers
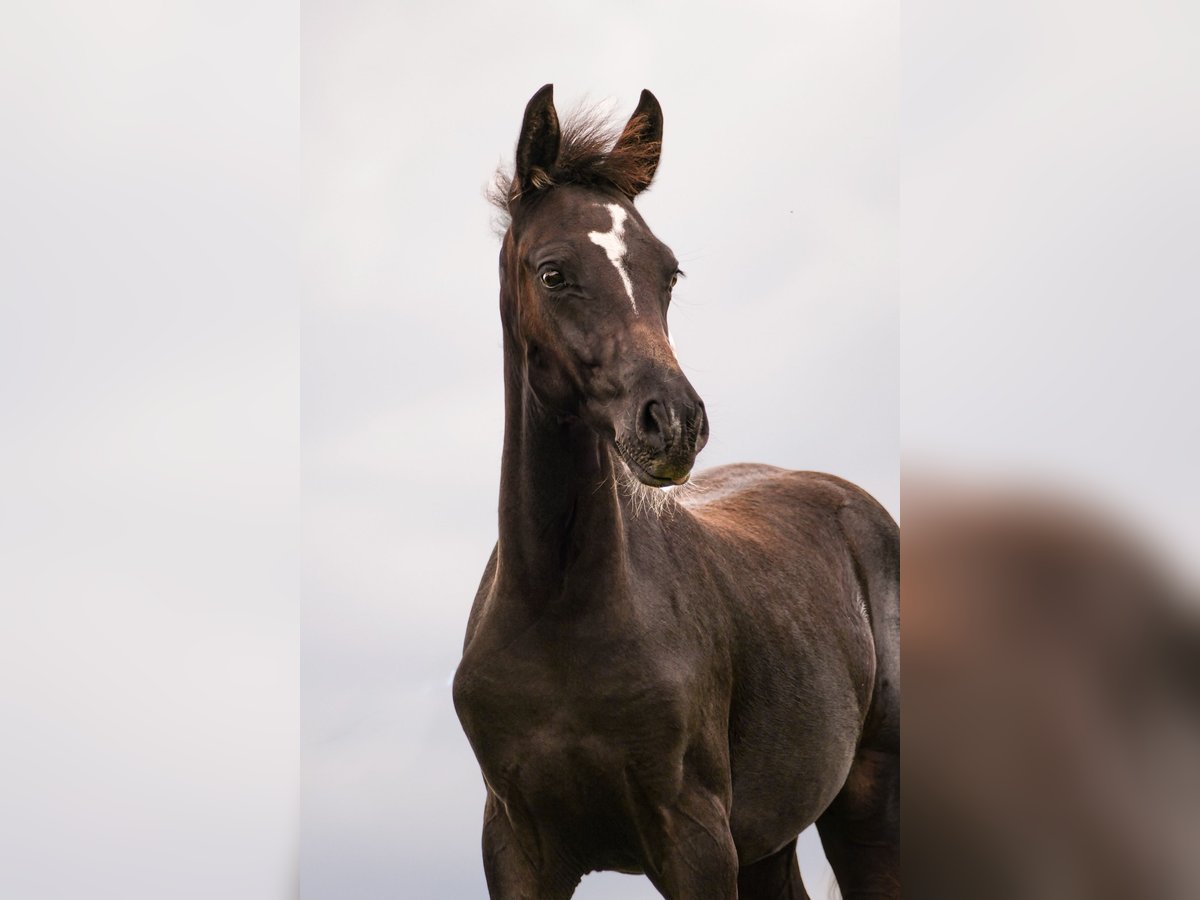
668,683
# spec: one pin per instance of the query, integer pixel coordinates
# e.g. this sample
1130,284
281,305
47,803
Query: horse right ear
537,147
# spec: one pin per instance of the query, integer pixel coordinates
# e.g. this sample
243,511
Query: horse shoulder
482,594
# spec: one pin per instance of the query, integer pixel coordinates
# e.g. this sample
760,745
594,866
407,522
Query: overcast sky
778,192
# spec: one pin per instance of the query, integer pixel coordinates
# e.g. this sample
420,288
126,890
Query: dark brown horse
680,687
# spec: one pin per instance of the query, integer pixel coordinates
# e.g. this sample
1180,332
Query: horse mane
588,154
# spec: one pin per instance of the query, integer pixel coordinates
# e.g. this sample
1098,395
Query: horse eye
674,281
553,279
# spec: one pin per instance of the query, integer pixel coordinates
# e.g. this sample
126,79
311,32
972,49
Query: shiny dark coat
675,688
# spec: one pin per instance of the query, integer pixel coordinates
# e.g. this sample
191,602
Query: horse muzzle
663,438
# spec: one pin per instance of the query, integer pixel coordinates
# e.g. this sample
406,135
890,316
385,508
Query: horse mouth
645,476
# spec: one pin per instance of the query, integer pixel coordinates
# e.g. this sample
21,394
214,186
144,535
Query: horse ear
537,147
642,138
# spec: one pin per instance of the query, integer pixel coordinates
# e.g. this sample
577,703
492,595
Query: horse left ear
642,138
537,147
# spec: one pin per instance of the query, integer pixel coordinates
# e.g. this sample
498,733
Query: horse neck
562,526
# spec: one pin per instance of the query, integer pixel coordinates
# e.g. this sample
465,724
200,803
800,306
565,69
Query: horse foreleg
777,877
516,866
697,857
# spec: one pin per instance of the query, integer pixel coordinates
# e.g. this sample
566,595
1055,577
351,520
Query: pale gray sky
149,465
1051,213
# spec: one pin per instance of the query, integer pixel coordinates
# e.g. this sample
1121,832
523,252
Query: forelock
588,155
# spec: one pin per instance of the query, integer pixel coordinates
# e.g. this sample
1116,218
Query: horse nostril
652,426
699,425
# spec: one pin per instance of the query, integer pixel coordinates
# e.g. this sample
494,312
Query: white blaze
613,244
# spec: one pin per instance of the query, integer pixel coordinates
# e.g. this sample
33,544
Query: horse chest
568,730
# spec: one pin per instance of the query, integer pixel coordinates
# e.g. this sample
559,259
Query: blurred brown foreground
1052,703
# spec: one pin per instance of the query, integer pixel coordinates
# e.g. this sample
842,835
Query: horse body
676,692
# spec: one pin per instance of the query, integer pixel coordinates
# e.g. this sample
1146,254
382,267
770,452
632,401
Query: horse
658,680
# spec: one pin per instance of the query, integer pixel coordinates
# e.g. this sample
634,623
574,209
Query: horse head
586,286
